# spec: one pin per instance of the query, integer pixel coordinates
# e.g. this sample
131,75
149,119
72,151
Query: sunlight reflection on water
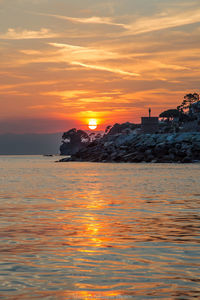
98,231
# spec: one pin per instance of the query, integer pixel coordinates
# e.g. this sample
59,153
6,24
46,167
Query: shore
152,148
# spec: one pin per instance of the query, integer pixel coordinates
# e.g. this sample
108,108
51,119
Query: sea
81,230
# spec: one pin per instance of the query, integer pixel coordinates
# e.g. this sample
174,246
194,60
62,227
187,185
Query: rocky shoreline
136,148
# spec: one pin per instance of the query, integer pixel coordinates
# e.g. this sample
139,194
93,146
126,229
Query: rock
148,152
65,159
184,137
108,144
149,158
170,138
154,161
171,157
129,157
123,147
139,158
196,145
186,159
178,146
159,148
149,142
114,155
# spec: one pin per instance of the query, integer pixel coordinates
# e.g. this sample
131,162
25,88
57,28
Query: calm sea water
98,231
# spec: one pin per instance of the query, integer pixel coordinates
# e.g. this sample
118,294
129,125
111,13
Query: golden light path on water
98,231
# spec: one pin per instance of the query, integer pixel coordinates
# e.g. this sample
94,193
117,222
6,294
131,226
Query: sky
63,61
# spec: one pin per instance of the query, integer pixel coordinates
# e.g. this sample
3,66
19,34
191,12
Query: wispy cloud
85,53
31,52
14,92
83,56
163,21
142,25
71,94
23,84
90,20
169,66
13,34
102,68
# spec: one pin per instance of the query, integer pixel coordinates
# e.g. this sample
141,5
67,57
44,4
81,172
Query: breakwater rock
156,148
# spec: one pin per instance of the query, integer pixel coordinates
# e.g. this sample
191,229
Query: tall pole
149,112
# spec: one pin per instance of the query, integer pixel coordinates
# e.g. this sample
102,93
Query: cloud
13,34
102,68
82,56
17,85
85,53
66,94
162,21
13,92
142,25
31,52
170,66
90,20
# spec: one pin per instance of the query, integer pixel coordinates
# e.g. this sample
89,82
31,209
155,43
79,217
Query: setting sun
92,124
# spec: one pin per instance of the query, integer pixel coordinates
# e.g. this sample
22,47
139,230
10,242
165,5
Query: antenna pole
149,112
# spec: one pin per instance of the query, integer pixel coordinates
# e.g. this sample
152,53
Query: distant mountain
29,144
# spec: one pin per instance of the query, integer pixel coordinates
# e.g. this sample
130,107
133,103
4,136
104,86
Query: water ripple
98,231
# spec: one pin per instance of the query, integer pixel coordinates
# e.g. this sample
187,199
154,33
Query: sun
92,124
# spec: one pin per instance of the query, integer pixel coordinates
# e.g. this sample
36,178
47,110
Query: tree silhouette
188,100
170,114
119,128
73,140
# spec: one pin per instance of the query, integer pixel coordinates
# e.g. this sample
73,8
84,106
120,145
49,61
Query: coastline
150,148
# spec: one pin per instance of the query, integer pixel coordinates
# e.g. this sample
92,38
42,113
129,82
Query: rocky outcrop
155,148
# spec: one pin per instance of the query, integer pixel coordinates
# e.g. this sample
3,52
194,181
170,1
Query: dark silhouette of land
29,144
175,138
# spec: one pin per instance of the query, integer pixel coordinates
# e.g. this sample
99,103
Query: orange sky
64,61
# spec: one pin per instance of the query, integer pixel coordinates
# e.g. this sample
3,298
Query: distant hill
29,144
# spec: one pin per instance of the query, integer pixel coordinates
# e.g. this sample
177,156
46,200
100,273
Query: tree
170,114
188,100
119,128
108,128
73,140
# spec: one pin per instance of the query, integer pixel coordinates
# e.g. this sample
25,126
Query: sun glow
92,124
